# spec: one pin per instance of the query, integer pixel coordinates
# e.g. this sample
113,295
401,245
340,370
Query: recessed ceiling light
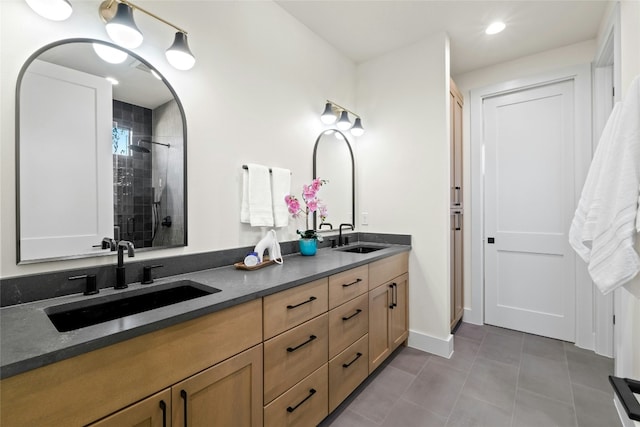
112,80
495,28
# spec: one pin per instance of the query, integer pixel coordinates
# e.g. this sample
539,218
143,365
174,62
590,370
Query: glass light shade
122,28
56,10
357,129
343,122
110,54
328,116
179,55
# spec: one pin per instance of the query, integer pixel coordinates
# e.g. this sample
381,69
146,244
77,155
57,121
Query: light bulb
495,28
110,54
328,116
122,28
56,10
179,55
357,129
344,123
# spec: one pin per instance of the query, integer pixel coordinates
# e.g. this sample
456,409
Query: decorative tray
266,261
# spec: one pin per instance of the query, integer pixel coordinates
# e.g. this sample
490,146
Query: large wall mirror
100,152
333,161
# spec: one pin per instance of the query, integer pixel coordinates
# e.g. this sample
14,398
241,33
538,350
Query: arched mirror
333,161
100,153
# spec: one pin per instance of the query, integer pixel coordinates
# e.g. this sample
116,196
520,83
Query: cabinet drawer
347,285
306,404
347,370
293,355
386,269
347,323
293,307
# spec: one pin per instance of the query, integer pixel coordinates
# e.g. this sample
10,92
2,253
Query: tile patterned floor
496,377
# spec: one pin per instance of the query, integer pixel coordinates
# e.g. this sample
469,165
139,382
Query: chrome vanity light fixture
122,29
331,113
56,10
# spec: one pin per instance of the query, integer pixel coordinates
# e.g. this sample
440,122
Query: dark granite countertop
28,339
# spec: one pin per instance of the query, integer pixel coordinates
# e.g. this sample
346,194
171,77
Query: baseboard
438,346
624,418
470,317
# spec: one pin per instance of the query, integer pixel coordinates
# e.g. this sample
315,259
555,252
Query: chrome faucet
121,281
340,232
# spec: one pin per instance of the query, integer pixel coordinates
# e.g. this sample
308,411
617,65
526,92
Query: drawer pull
183,394
346,285
163,406
292,349
311,393
346,365
395,294
289,307
358,311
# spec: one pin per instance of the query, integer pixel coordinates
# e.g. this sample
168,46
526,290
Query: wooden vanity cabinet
94,385
154,411
388,307
227,394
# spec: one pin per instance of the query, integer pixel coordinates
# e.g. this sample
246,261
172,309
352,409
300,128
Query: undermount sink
74,316
362,249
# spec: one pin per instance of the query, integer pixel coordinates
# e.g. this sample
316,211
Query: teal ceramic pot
308,247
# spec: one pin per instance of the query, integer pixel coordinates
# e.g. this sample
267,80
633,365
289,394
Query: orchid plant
311,204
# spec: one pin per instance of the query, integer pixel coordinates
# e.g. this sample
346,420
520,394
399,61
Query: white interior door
65,115
529,203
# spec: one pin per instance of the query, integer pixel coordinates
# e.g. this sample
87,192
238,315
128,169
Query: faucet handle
92,285
146,273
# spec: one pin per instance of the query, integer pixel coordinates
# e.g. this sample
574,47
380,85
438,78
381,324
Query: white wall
576,54
403,166
254,96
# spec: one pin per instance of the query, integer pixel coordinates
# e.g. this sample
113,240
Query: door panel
529,202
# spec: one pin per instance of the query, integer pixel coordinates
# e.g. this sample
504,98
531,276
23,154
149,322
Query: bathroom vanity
284,345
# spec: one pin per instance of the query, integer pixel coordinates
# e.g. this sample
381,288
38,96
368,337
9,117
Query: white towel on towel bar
256,208
603,230
280,187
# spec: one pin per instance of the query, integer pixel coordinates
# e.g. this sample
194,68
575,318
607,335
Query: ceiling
365,29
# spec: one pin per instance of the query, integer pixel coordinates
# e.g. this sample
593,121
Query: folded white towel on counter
256,206
280,187
604,228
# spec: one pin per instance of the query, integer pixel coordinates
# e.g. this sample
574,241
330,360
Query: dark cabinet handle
346,285
292,349
358,311
346,365
163,406
395,295
289,307
391,305
183,394
311,393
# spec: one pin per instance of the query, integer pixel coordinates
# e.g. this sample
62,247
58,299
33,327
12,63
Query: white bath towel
256,206
280,187
605,223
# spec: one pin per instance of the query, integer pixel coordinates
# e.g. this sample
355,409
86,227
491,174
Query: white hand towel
244,207
280,187
258,196
609,226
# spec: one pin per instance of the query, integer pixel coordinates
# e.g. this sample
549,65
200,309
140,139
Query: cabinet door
155,411
458,271
227,394
379,327
399,311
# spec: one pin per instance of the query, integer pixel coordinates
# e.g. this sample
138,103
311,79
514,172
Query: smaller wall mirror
333,161
100,143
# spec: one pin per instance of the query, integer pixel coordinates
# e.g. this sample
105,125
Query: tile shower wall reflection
132,171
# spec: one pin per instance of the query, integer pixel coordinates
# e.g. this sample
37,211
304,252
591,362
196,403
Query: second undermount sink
361,249
74,316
